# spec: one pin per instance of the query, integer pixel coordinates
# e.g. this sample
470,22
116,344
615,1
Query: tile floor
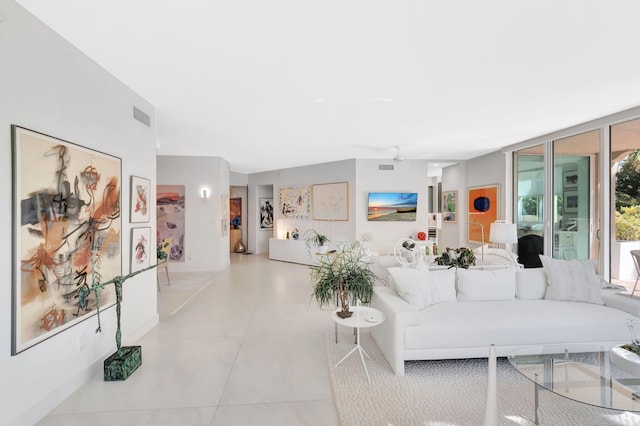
249,349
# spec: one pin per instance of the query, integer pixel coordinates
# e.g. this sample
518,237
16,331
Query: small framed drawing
570,202
140,248
266,214
139,203
330,201
570,179
449,206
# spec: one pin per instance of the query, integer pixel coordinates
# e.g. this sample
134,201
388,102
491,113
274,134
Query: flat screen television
392,206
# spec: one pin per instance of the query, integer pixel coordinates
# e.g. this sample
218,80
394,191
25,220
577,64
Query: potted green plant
456,258
346,274
315,239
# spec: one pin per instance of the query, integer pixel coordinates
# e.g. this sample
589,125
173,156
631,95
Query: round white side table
362,317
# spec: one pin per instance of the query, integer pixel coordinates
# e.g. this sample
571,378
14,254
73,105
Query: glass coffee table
583,373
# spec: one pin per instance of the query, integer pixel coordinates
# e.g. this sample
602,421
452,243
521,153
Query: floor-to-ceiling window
625,200
529,189
575,192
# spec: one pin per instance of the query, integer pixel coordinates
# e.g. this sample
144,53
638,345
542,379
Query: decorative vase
240,248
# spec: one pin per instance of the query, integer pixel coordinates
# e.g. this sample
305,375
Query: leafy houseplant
315,239
347,274
459,258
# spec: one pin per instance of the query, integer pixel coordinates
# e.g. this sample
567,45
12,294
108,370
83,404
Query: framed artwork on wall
235,212
266,214
170,205
66,234
139,203
483,204
449,206
330,201
392,206
295,202
140,249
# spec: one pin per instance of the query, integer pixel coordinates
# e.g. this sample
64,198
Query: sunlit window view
625,202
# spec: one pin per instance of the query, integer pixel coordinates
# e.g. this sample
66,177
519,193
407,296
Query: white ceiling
270,84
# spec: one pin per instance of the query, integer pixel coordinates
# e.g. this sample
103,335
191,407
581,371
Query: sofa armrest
390,334
623,302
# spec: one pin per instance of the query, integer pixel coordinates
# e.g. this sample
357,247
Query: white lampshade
506,233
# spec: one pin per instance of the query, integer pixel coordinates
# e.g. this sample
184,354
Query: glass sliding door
576,194
529,190
625,201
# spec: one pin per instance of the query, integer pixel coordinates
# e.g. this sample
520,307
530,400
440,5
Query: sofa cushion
531,283
444,281
478,285
409,284
572,280
421,287
513,323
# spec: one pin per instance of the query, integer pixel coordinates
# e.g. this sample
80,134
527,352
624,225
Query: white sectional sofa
451,314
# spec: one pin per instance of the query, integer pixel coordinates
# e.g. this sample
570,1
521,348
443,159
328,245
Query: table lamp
504,233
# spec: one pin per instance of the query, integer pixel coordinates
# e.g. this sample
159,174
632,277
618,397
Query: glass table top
591,374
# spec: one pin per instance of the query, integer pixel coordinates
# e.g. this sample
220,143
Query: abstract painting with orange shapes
67,234
483,211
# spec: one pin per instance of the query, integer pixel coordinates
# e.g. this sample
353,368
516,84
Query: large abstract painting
483,211
170,218
66,234
295,202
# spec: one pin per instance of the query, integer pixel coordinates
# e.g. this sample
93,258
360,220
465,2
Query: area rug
445,393
184,287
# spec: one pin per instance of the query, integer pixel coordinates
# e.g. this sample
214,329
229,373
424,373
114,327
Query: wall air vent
385,166
141,116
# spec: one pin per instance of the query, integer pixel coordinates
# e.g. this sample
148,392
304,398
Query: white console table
294,251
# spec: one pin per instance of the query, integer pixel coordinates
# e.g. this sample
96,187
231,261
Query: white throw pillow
444,283
478,285
571,280
408,284
531,283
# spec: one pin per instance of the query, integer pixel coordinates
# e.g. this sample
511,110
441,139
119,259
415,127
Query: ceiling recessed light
319,100
380,100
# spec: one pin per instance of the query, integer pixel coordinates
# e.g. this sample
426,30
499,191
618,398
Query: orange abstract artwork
483,211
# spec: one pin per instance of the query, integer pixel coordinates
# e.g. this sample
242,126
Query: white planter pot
625,360
323,249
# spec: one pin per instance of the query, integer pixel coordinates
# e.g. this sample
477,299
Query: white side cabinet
294,251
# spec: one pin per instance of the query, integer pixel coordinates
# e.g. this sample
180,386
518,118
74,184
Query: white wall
407,176
47,85
454,178
339,171
205,248
481,171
